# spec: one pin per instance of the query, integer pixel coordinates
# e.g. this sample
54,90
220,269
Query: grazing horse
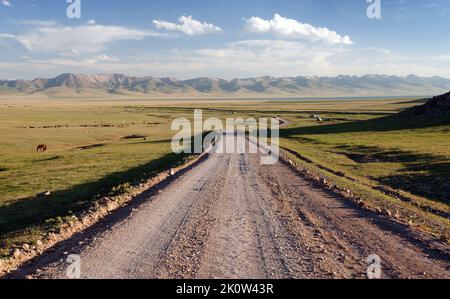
41,148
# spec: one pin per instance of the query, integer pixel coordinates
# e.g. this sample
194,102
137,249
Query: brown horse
41,148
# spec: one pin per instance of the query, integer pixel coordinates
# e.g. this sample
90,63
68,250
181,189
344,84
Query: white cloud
6,3
91,22
188,26
285,27
5,35
83,39
106,58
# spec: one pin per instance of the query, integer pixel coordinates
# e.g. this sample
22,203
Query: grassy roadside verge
427,222
390,165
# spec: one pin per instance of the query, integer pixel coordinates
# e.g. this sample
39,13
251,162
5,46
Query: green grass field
95,146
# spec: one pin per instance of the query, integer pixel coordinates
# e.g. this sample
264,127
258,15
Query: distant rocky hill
107,84
439,105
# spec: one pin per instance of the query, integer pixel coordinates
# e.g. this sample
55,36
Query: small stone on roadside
46,193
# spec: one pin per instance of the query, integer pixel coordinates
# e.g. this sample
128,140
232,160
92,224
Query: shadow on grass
422,174
424,179
163,141
419,101
373,154
134,136
48,159
28,212
384,124
92,146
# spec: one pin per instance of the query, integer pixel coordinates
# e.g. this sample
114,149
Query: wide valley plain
394,167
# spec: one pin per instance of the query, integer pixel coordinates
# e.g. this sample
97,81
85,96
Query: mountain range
81,85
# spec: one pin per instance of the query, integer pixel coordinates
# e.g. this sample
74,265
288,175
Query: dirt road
230,217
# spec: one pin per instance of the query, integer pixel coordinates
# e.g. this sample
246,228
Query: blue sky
224,38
